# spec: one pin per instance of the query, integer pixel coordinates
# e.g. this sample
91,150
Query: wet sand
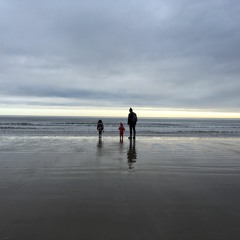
158,188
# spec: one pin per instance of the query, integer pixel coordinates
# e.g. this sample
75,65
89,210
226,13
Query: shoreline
180,135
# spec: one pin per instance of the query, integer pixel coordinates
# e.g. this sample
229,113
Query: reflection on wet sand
100,149
99,142
131,154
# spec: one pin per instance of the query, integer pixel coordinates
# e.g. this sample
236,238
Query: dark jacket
132,118
100,127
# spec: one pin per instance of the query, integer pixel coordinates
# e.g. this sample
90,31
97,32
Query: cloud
179,54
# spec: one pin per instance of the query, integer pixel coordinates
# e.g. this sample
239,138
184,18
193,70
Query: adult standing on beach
132,120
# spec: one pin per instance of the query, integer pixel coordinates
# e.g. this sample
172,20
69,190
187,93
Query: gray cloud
180,54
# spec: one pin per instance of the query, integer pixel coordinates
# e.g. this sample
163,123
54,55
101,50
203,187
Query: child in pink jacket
121,131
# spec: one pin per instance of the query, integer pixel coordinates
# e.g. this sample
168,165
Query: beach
80,187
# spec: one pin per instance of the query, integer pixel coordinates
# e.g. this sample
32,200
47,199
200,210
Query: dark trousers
132,130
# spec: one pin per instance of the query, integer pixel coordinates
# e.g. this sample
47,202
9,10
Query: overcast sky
162,54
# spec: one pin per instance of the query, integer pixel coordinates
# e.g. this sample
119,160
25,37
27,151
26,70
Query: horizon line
122,112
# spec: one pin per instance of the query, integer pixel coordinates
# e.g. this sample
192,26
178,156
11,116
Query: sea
87,126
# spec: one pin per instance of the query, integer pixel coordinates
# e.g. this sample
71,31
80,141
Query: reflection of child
100,127
121,131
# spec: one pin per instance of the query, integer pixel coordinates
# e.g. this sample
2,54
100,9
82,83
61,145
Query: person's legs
121,137
134,131
131,128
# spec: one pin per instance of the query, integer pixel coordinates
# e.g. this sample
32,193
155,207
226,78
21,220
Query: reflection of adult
132,153
132,120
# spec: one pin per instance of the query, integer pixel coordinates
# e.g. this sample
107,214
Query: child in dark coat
100,128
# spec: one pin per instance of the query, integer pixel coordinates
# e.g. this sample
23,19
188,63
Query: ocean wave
145,127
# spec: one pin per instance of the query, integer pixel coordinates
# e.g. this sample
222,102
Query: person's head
99,121
130,110
121,124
